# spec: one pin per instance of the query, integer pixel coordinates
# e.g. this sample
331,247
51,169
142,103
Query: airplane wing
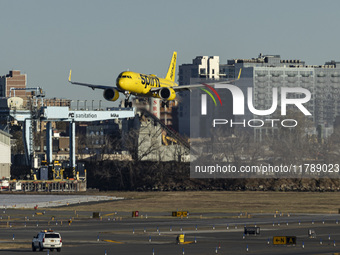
188,87
92,86
194,86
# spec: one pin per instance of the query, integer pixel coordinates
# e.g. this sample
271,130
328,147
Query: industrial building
152,138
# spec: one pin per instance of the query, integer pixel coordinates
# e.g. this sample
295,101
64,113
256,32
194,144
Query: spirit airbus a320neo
137,84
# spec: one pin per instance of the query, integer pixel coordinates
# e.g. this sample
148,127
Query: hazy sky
99,39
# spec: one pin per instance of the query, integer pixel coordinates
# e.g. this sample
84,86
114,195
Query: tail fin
172,68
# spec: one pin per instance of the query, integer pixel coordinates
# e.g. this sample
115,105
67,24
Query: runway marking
112,241
109,214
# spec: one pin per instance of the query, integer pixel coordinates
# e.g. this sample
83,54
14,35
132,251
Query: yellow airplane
131,83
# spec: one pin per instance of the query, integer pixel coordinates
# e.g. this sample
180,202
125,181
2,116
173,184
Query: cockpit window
126,76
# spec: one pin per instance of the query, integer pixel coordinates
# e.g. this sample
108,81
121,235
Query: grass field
219,201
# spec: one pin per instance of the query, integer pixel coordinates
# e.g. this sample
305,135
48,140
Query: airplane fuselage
142,84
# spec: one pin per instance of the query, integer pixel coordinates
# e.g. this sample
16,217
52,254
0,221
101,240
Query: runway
155,233
46,201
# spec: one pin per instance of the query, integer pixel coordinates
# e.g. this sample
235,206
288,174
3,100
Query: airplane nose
121,83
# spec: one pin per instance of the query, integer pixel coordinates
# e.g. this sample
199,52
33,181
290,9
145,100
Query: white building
202,69
5,155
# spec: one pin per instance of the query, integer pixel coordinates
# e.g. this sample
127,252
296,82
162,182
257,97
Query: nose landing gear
127,103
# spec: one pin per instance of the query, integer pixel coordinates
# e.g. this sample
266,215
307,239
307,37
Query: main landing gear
165,103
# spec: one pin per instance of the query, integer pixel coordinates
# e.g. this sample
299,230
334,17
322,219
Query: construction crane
38,91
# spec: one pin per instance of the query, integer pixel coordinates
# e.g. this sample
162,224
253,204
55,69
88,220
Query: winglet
69,77
238,77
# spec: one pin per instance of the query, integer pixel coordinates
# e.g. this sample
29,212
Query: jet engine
167,94
111,94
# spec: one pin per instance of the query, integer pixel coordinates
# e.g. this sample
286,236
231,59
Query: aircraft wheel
165,103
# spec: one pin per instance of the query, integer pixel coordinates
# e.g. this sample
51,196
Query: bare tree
294,145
